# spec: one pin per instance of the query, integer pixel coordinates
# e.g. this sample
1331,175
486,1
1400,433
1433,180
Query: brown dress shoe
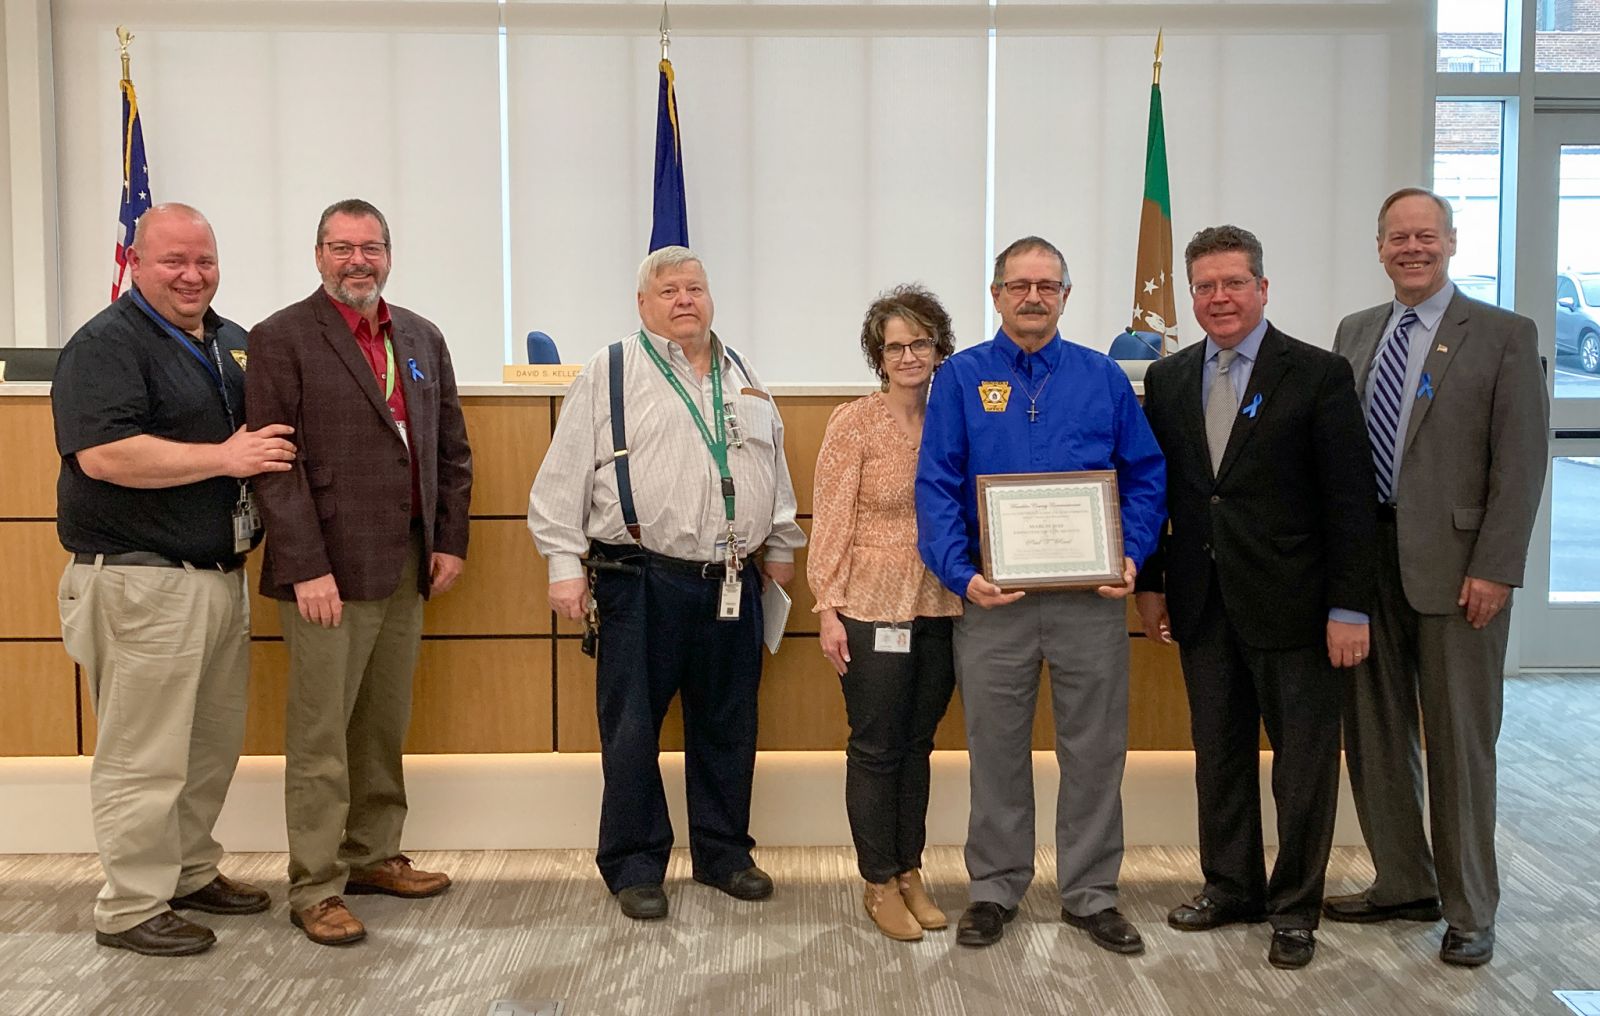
329,923
919,902
165,934
396,877
887,908
222,895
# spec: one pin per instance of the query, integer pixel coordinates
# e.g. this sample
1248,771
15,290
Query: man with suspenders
666,478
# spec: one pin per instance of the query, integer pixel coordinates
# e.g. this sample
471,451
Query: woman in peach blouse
886,621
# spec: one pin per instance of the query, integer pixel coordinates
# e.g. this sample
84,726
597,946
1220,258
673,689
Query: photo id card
728,605
891,638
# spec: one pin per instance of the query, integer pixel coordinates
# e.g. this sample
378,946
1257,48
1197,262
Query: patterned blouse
863,560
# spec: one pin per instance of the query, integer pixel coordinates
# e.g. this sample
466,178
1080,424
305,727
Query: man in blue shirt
1029,402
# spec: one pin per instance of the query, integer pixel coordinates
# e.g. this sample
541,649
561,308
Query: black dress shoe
1109,929
222,895
643,902
983,923
165,934
1292,948
750,884
1204,913
1467,948
1357,909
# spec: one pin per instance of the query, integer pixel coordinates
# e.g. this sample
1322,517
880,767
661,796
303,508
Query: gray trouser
1440,665
998,653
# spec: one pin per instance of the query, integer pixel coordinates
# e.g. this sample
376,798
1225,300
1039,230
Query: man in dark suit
1267,575
370,521
1458,424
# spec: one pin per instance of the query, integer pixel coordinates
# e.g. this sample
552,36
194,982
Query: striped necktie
1388,394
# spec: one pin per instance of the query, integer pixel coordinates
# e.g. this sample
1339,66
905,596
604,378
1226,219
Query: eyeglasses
341,251
1047,287
1229,286
918,348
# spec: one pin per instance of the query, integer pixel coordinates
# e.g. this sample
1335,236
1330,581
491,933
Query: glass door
1558,285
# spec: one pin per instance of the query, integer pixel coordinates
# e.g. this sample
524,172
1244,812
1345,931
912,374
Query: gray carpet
535,925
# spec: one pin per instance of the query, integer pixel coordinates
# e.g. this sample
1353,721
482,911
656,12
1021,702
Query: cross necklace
1033,397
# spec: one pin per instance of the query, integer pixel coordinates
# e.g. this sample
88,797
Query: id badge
243,530
728,605
891,638
405,434
720,551
247,504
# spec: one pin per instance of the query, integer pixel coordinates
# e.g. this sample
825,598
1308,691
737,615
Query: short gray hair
1024,246
662,258
1417,192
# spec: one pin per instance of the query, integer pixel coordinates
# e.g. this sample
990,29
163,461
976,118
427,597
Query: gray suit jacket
1474,453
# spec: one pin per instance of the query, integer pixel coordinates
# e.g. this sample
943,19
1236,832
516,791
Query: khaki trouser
166,653
349,706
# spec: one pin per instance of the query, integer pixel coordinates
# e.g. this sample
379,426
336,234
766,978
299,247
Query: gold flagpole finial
123,38
666,31
1156,79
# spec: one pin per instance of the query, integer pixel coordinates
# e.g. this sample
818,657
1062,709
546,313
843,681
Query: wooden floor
533,925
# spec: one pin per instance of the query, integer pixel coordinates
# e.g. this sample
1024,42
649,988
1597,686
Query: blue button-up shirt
1088,418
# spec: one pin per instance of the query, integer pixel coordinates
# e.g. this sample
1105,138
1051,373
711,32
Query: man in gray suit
1458,417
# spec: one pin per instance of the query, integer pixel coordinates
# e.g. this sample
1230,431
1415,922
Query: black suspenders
619,435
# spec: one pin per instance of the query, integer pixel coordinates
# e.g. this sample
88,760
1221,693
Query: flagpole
1155,77
123,38
666,32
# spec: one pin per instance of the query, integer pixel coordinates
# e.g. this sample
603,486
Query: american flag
135,184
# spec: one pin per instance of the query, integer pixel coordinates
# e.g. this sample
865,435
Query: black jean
894,702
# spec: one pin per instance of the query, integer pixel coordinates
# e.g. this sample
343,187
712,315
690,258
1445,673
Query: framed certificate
1050,530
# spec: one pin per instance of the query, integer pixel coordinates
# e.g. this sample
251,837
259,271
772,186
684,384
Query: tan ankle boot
888,911
919,902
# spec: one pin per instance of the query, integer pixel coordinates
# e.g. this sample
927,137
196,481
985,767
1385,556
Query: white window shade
1297,138
263,126
818,171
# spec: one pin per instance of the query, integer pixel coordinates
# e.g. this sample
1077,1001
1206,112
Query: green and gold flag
1155,305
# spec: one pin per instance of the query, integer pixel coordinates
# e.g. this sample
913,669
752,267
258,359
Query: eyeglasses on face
918,348
1229,286
341,251
1047,287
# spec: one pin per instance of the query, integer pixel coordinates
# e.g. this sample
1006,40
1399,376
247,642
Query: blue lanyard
187,342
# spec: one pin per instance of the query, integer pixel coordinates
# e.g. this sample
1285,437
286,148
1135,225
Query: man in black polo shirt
152,503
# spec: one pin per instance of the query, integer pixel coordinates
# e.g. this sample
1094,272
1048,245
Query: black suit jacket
345,506
1288,524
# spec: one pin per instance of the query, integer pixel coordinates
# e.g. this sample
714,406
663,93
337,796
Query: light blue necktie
1388,389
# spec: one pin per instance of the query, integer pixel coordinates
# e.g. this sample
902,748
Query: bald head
174,264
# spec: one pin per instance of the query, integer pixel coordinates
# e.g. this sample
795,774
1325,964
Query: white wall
7,332
831,150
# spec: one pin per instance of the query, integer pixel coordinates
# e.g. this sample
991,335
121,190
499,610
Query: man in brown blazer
370,521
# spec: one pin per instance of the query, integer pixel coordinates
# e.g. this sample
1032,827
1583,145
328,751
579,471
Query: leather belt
617,554
149,559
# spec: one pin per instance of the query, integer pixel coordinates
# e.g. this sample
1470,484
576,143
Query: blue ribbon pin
1425,386
416,375
1253,408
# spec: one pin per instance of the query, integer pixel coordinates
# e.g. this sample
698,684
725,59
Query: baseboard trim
498,802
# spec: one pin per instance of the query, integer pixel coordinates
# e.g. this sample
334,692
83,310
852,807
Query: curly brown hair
914,305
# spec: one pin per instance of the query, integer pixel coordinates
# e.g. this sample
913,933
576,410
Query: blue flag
135,183
670,224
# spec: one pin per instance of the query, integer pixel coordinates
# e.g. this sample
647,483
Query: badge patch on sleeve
239,357
995,395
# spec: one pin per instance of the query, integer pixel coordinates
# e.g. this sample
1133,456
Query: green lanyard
388,369
719,445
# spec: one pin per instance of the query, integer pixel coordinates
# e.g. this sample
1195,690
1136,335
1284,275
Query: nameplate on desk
540,373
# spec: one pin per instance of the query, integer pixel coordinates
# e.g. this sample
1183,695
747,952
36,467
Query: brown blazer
345,506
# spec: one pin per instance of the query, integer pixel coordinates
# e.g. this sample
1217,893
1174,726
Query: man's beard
360,301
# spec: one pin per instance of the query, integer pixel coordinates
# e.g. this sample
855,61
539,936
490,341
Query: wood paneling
28,483
509,437
1158,705
474,695
503,591
801,618
805,418
34,563
40,714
